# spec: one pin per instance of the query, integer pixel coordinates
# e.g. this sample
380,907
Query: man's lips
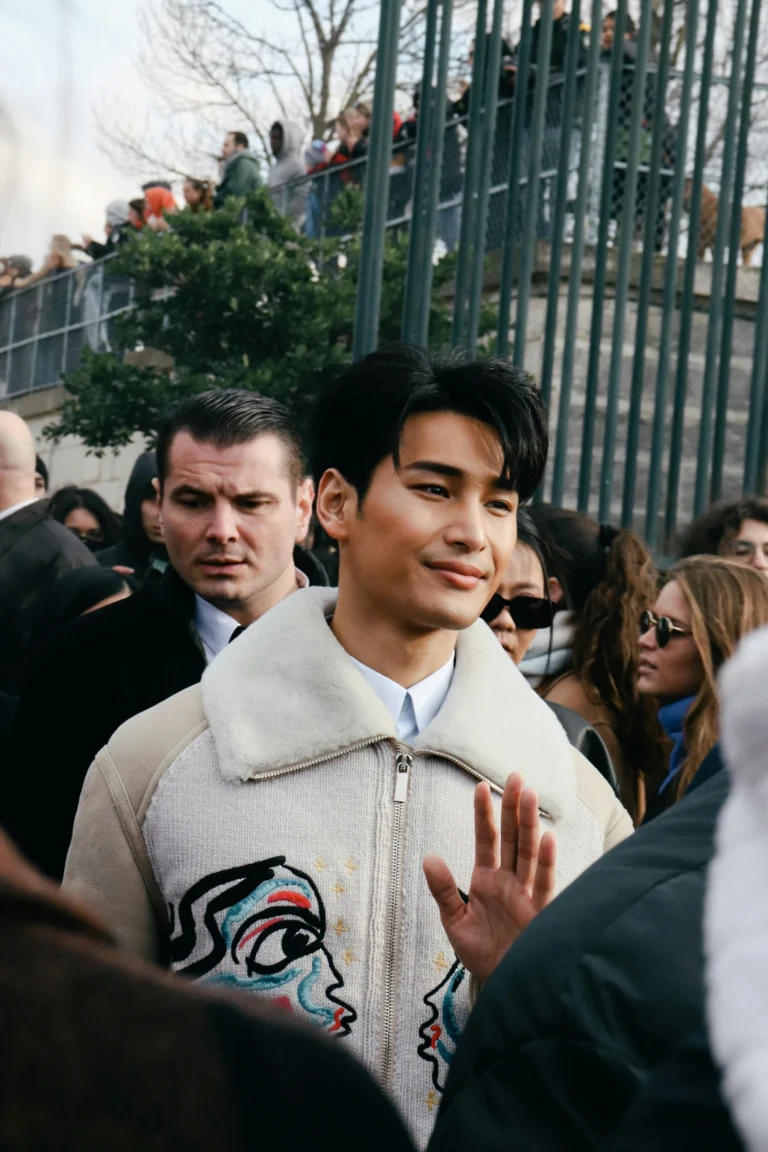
220,563
458,574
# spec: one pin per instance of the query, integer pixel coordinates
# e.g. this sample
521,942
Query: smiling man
271,829
234,501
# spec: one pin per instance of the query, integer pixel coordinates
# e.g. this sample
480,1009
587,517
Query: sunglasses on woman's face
665,629
528,612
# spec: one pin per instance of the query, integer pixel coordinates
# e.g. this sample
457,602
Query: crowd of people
339,163
455,810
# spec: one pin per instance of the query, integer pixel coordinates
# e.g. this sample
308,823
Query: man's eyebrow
436,468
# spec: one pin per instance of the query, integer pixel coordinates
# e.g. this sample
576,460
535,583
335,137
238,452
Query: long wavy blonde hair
726,600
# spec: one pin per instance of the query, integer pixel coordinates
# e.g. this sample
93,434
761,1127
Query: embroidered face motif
265,924
440,1032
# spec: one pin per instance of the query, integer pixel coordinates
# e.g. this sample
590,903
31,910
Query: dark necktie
237,632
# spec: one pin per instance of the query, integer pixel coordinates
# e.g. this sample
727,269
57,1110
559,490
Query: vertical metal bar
38,310
718,254
513,181
12,325
646,274
757,384
377,184
669,299
435,168
601,257
417,241
762,459
577,255
67,315
471,176
686,304
625,261
718,450
493,64
568,105
534,170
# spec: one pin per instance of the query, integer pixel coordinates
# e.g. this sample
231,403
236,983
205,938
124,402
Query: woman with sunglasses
605,578
522,607
700,615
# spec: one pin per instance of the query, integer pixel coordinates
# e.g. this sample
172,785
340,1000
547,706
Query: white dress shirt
413,709
18,507
215,627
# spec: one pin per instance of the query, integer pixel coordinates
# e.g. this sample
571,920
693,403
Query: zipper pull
404,761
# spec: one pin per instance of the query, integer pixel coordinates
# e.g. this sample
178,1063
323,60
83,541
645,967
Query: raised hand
508,887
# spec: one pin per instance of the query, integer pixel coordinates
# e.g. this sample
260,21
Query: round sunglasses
665,629
528,612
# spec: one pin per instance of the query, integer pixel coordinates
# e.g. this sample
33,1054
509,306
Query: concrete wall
68,462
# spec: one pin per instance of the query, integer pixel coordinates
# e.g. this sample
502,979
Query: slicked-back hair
226,417
359,418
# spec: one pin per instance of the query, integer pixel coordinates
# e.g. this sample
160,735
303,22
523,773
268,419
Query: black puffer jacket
597,994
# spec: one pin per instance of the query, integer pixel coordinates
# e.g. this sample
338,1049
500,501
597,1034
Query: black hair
239,138
630,28
529,535
67,499
707,534
42,470
229,416
359,417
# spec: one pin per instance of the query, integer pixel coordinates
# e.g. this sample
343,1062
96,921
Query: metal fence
612,207
44,328
637,315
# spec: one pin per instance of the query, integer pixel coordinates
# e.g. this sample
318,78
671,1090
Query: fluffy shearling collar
286,693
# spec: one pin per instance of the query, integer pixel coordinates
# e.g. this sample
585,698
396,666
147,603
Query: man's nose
223,523
466,527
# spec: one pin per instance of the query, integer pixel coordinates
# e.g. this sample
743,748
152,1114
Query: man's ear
556,591
305,497
336,504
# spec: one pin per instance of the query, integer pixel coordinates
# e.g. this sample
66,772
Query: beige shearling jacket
266,829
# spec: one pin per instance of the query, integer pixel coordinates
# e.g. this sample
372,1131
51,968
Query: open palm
513,879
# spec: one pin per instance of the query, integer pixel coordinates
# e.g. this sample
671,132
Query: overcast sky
60,57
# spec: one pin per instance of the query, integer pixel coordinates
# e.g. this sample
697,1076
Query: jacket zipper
320,759
403,763
477,775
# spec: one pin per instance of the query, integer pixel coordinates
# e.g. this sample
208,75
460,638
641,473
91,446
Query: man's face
40,488
276,140
431,541
151,520
228,146
231,518
606,39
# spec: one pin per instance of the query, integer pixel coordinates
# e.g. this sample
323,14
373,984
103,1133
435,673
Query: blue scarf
672,719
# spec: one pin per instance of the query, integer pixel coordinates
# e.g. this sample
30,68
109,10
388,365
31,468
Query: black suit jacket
34,551
95,674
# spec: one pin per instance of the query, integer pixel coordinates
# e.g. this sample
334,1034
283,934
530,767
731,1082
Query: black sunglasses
665,629
528,612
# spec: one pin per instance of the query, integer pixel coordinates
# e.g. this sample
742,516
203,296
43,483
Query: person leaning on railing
58,260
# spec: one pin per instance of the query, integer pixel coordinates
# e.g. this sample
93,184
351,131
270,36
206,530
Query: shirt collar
427,697
18,507
215,627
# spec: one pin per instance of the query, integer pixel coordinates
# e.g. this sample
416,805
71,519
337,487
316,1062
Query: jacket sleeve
104,866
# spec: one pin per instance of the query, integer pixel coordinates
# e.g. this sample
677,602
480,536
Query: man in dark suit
34,549
234,502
